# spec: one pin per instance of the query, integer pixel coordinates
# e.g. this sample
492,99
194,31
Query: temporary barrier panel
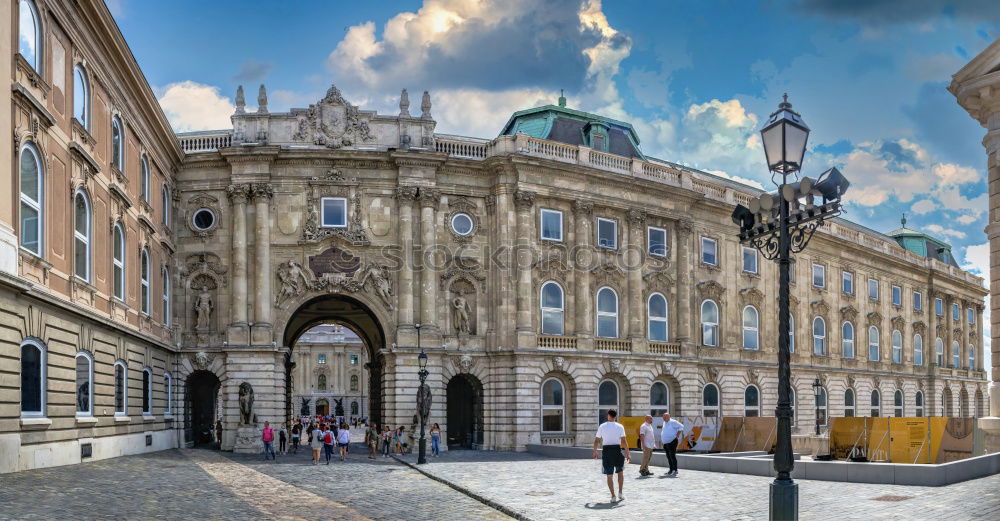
632,424
848,438
699,433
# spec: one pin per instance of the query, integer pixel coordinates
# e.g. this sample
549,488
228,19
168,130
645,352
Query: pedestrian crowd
329,437
611,441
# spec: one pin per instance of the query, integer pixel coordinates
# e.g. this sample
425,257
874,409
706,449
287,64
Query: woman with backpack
329,440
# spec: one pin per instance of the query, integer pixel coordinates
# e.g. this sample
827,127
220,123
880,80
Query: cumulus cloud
923,206
718,135
966,219
194,106
937,229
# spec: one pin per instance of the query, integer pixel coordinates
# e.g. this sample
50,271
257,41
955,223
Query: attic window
598,142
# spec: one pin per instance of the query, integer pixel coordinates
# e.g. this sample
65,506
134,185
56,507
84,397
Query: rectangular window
918,301
656,241
354,359
938,307
873,289
321,359
334,212
848,282
749,260
954,312
897,296
607,233
709,251
819,275
551,225
971,314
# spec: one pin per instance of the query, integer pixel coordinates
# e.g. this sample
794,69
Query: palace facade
549,273
329,370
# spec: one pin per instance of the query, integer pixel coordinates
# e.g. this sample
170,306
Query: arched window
553,406
607,398
876,404
354,408
607,313
822,412
321,382
751,401
946,403
33,384
791,333
873,344
553,308
849,403
165,203
972,357
897,403
29,43
84,384
118,260
165,277
920,404
81,96
168,388
710,323
147,391
963,404
144,178
144,280
659,399
918,350
121,389
897,347
939,352
656,314
117,143
847,340
32,199
751,332
819,336
792,402
81,236
710,401
354,382
956,355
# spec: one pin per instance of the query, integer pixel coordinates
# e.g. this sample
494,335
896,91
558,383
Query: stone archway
465,412
202,393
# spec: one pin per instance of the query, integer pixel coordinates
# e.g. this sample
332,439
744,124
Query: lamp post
817,390
779,224
422,362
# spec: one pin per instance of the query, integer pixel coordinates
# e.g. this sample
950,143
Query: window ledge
35,422
148,418
122,419
168,417
80,420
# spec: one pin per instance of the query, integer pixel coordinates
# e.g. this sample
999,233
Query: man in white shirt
647,440
611,440
671,433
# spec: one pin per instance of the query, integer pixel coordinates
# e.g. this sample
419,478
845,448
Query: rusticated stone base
247,440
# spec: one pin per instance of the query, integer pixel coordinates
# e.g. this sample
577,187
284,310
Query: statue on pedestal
203,308
247,435
246,404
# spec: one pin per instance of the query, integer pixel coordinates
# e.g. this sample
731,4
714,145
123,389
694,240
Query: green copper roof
923,244
559,123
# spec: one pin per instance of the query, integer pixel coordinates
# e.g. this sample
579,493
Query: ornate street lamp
779,224
817,391
423,399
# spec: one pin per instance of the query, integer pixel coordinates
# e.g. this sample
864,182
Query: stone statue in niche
311,227
462,304
203,309
461,311
246,404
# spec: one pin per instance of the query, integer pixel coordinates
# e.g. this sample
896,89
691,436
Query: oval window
461,223
203,219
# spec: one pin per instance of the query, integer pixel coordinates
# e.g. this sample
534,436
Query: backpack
328,438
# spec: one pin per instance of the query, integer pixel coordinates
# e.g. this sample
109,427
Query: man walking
611,439
267,436
671,433
647,440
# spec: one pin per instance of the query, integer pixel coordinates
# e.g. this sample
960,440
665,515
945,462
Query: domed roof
922,244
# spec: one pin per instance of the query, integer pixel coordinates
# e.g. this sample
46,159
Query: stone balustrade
613,344
205,141
556,342
665,348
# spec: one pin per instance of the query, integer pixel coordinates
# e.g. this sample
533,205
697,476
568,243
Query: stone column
524,202
930,335
262,193
633,260
429,200
404,312
238,197
583,263
980,349
685,308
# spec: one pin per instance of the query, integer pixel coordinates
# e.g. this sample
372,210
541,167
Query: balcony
665,348
206,141
556,342
613,345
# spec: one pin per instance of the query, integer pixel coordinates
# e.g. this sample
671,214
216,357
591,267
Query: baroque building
550,273
330,371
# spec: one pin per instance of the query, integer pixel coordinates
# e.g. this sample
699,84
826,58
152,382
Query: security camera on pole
779,224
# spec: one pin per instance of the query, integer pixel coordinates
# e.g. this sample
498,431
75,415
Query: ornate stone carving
819,307
429,197
850,381
753,375
406,193
238,193
559,363
849,313
463,267
710,289
874,318
615,364
752,296
607,274
659,279
465,363
711,373
202,360
261,191
685,226
667,367
246,404
292,281
461,312
353,233
524,200
204,262
636,217
877,382
333,122
583,208
899,383
919,327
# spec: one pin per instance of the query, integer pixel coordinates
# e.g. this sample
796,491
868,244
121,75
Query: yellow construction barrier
902,440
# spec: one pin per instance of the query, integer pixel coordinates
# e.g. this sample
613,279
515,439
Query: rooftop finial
425,106
240,101
562,98
903,220
784,102
404,104
262,100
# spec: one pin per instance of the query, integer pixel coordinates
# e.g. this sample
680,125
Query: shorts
342,444
612,459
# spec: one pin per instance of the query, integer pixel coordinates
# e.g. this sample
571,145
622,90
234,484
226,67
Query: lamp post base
784,501
422,454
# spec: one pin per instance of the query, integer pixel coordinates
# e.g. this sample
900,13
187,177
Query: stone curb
486,501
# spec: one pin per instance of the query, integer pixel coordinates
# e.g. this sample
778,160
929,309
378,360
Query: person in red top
267,436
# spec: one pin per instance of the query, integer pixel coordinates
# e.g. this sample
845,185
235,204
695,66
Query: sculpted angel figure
293,280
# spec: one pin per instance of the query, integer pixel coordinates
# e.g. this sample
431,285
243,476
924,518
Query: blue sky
696,78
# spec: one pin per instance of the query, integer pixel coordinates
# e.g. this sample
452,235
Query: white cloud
967,219
939,230
194,106
923,206
977,260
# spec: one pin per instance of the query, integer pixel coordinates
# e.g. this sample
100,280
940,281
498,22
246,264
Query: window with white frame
956,354
919,404
321,358
354,382
710,401
165,281
751,402
847,340
876,404
168,388
81,96
918,301
749,260
656,314
819,336
873,344
971,315
751,328
334,212
918,349
939,352
33,378
144,178
847,282
849,403
897,296
659,399
147,391
32,199
462,224
354,359
607,233
656,241
553,306
550,224
81,236
897,347
939,307
972,357
791,333
84,384
553,406
709,323
819,276
118,261
121,389
872,289
607,313
955,313
29,34
607,399
144,281
118,144
822,412
897,404
165,203
709,251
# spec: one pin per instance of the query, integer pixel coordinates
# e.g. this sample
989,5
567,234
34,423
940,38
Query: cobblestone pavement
541,489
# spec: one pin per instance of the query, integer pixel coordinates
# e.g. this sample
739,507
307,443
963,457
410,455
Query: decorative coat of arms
333,122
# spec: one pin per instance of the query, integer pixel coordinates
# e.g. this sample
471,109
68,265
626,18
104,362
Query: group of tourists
326,436
612,443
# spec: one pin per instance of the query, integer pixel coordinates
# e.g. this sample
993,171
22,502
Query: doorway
322,407
465,412
202,402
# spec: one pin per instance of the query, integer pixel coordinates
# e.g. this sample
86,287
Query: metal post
422,453
784,500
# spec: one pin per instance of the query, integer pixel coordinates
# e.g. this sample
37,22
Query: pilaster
262,330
